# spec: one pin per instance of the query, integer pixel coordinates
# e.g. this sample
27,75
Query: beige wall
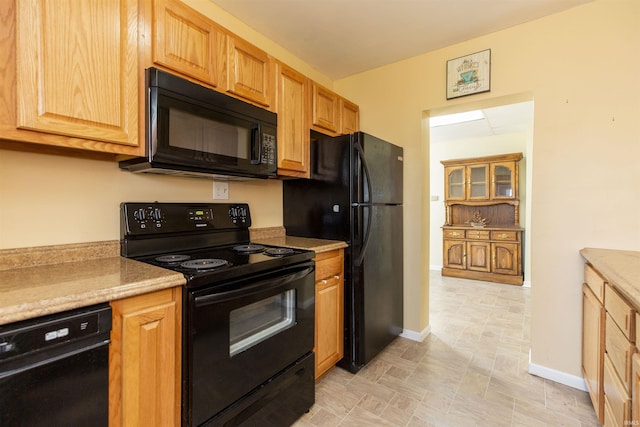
580,66
51,200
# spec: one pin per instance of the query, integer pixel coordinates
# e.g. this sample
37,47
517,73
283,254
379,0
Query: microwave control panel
268,149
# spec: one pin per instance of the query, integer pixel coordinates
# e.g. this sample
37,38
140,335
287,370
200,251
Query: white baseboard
557,376
435,267
416,336
526,284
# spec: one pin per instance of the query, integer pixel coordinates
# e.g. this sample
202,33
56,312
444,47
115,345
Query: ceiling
502,120
344,37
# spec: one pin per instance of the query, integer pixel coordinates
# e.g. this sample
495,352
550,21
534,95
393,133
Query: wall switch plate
220,190
434,198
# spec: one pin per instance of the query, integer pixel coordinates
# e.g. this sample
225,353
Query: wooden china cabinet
482,238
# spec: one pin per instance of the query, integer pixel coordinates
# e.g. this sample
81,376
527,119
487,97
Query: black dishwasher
54,370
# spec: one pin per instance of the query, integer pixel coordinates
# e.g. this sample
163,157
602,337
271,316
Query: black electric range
248,311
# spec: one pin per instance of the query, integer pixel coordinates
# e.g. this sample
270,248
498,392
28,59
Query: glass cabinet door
478,180
454,183
503,180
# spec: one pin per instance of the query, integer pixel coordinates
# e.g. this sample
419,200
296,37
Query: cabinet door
479,256
504,180
187,42
350,117
477,182
77,63
454,254
144,360
329,339
505,258
293,123
325,113
250,71
330,325
635,391
593,315
454,183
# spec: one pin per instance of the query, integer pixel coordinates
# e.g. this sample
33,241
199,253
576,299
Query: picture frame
469,74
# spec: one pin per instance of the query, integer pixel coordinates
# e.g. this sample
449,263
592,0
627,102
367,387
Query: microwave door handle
255,142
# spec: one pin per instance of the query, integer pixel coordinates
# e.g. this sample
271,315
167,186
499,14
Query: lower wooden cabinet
493,255
144,360
329,339
593,332
635,390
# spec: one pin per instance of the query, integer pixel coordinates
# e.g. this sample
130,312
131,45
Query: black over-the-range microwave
192,130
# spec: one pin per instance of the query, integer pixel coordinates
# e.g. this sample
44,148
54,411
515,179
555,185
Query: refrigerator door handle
365,168
367,177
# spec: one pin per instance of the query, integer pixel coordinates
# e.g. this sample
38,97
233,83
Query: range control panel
158,218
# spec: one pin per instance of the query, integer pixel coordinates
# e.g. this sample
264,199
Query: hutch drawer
504,235
453,234
478,234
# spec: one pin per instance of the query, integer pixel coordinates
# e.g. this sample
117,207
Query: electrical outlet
220,190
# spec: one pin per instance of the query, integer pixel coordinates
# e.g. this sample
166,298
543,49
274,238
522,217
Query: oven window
254,323
204,135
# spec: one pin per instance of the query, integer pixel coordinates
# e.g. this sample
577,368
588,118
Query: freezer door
374,299
384,164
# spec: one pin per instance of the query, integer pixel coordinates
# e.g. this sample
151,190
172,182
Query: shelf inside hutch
496,215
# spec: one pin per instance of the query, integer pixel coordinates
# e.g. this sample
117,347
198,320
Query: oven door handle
261,286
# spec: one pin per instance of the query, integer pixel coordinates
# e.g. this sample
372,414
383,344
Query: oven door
238,335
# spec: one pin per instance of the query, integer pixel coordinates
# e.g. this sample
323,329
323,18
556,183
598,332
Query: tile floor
470,371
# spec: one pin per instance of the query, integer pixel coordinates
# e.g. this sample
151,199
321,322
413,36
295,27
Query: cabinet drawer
453,234
621,312
595,281
478,234
615,396
328,282
504,235
619,350
329,264
637,322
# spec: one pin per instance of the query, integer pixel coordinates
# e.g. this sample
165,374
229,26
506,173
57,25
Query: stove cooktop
208,265
207,242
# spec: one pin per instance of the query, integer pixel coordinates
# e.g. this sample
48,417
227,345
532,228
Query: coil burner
204,264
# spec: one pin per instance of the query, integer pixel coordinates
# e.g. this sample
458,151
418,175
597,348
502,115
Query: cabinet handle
336,277
503,236
324,281
455,233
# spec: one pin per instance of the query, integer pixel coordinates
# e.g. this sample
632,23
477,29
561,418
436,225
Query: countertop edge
621,268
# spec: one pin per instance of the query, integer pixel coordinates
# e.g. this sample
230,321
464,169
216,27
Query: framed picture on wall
469,74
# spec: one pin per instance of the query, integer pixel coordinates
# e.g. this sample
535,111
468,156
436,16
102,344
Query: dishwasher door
54,370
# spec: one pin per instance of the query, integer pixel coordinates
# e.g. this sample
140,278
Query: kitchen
585,133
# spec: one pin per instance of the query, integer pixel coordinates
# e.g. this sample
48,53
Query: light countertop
620,268
40,290
317,245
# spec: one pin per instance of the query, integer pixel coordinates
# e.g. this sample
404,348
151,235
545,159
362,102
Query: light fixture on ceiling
452,119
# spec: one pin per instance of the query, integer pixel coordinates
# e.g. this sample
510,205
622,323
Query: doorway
474,130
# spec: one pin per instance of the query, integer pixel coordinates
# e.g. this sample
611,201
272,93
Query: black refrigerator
355,195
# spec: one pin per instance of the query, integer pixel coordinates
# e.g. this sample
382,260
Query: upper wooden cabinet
187,42
76,74
293,122
250,72
484,178
331,114
325,112
350,117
